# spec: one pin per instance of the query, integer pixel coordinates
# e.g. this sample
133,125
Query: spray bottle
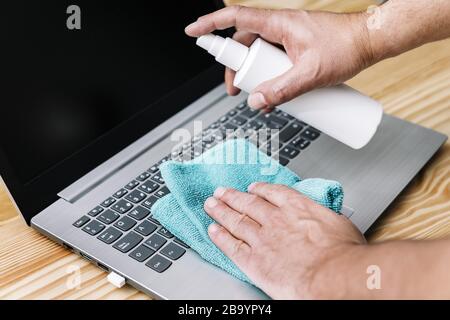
341,112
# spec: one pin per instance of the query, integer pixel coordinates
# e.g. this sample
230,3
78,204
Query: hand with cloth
286,244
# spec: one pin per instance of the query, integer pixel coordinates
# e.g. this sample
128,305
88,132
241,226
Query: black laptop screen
64,89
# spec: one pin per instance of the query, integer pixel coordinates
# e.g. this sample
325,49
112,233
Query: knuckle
237,249
279,92
297,200
234,8
237,11
238,223
227,194
278,189
252,200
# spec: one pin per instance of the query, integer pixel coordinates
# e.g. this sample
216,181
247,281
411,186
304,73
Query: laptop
87,115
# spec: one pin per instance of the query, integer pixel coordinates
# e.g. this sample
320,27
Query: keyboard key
285,115
155,242
181,243
139,213
162,192
238,121
207,145
125,223
149,202
135,196
81,222
214,125
145,228
173,251
110,235
143,176
242,106
141,253
132,184
93,227
290,131
289,152
303,124
128,242
268,118
108,202
232,113
283,161
148,186
229,126
272,146
158,178
153,169
122,206
254,125
274,125
120,193
249,113
94,212
158,263
310,134
154,220
108,217
299,143
166,233
160,162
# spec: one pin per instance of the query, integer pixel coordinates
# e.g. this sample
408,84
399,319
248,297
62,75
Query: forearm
401,25
406,270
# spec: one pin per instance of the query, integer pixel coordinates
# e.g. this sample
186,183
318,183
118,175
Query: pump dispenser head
226,51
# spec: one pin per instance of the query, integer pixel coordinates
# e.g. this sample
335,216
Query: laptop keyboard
124,219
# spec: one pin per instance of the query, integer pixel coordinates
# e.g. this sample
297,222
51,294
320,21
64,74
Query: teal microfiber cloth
235,164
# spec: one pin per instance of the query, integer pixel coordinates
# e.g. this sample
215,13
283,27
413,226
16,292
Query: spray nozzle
227,51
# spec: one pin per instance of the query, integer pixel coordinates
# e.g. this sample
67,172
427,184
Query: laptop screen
71,76
63,89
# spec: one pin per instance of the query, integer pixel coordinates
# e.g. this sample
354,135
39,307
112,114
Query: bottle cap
227,51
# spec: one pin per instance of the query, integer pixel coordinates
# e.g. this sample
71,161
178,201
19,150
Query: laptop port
65,245
85,256
101,266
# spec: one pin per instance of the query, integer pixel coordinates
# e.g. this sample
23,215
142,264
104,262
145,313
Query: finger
278,90
255,207
276,194
239,225
246,38
229,78
237,250
243,18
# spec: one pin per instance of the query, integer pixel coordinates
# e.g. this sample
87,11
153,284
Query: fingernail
190,27
211,202
219,192
251,186
257,100
213,228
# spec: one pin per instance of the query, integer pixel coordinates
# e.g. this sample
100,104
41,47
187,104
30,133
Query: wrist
335,277
370,50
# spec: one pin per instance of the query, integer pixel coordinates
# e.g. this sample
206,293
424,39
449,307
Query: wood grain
414,86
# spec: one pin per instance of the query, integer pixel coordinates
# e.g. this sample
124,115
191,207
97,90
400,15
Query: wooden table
414,86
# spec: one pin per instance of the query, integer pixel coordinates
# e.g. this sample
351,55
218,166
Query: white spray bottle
341,112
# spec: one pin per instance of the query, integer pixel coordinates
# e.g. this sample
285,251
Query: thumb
277,90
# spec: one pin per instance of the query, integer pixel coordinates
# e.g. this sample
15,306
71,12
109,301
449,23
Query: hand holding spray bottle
341,112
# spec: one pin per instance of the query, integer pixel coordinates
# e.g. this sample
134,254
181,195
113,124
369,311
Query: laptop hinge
101,173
